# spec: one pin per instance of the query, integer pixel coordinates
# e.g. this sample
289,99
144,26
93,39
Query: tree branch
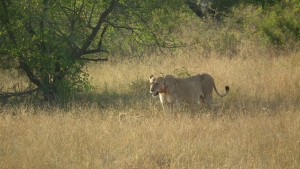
28,72
91,15
95,60
12,37
93,51
96,29
99,46
158,44
120,27
14,94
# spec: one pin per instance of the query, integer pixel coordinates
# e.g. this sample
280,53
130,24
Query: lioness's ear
151,76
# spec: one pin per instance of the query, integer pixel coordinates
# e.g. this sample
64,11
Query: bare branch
96,29
95,60
60,33
158,44
120,26
15,94
93,51
99,46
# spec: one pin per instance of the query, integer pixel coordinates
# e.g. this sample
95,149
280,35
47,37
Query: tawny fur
191,90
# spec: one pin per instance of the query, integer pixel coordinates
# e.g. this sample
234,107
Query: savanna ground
119,124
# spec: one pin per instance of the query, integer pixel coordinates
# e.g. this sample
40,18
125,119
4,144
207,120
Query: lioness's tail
221,95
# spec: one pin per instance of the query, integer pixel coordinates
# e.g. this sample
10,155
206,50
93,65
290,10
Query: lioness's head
156,85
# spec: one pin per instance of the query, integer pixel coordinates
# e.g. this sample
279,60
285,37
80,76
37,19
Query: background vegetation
112,121
49,42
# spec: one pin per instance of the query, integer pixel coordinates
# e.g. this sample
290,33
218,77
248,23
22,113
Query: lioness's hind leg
208,101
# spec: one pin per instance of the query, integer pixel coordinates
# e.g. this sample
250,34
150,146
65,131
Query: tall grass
82,138
119,125
261,81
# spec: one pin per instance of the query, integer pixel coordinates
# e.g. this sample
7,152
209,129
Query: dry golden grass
258,124
82,138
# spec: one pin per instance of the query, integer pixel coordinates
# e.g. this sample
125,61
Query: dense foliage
277,22
50,41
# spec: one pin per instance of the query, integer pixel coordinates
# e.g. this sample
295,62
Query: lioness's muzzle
154,93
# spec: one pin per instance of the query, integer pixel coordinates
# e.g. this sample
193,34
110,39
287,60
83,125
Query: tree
51,40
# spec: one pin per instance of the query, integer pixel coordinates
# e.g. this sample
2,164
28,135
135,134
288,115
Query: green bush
281,24
274,23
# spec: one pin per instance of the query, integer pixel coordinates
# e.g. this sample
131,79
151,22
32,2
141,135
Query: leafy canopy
50,41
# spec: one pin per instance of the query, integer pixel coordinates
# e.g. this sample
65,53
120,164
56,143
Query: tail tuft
227,88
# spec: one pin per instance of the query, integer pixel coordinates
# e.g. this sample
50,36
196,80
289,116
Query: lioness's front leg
166,102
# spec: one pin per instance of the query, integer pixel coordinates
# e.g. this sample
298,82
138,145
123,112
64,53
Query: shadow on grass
110,99
138,98
136,95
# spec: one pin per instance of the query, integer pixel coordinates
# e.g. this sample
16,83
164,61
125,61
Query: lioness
189,90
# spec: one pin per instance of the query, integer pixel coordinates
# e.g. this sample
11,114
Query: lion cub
191,90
